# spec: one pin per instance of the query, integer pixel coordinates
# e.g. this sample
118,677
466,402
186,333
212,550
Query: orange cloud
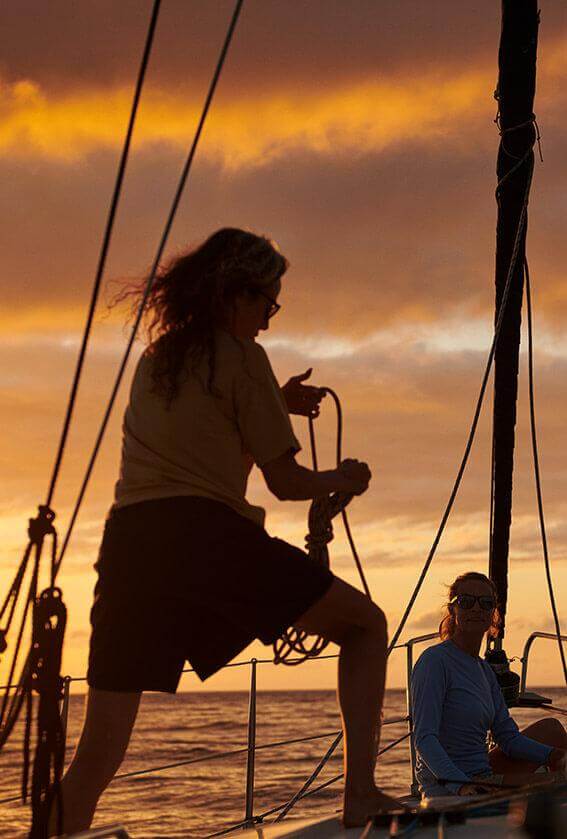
368,116
364,116
46,319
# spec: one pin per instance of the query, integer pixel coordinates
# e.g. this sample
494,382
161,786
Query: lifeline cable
157,259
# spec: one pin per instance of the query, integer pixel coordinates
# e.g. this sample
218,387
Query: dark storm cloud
67,44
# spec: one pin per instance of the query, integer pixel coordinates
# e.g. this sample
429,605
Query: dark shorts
189,579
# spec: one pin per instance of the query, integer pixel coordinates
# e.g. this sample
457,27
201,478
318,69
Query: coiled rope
322,511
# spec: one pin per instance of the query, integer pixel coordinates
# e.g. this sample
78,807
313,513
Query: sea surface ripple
200,798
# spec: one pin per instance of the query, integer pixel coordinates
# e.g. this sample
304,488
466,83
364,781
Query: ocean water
200,798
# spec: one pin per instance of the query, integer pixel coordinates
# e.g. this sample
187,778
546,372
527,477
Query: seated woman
456,702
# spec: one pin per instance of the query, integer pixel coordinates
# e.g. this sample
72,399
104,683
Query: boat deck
491,825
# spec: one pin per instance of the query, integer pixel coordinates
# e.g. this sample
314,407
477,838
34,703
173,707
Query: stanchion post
249,812
409,669
65,706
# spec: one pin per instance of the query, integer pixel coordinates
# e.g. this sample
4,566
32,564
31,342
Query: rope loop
502,131
42,525
322,511
532,120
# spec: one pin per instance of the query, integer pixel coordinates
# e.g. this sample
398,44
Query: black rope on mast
161,247
515,95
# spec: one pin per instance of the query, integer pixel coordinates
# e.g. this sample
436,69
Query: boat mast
515,95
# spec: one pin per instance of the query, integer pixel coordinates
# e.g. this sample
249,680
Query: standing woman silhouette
186,570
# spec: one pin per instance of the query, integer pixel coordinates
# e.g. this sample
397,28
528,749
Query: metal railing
251,747
409,645
549,636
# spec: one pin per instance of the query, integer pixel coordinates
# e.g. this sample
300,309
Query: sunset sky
360,136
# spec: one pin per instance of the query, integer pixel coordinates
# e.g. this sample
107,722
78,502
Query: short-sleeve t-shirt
205,443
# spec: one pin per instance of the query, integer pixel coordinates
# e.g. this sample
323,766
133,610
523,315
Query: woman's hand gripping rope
356,476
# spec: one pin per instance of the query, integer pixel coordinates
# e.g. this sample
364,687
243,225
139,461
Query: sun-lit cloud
366,115
44,321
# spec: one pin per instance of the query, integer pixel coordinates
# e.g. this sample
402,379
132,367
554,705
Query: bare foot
358,808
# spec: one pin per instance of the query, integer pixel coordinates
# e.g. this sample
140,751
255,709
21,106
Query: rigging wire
40,672
14,592
159,253
529,157
43,523
42,526
104,250
533,429
514,256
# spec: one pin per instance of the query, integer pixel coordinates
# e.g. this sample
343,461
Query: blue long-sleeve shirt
456,701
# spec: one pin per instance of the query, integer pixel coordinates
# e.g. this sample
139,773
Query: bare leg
347,617
549,731
109,721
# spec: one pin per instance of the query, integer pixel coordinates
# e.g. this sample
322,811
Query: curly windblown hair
447,625
191,294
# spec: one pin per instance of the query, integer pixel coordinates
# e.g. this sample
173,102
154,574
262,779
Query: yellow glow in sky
364,117
369,115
